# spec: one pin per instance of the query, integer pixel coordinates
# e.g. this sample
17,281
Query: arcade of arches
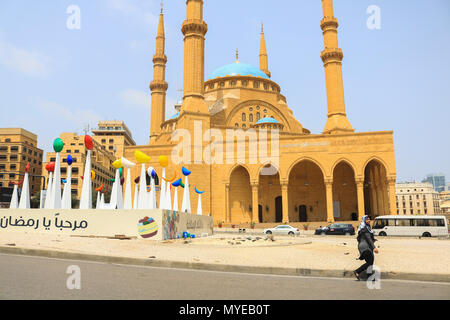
307,195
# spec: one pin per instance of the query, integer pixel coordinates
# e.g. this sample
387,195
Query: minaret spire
263,60
332,58
194,30
159,85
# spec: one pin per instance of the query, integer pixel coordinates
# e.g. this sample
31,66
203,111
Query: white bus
411,226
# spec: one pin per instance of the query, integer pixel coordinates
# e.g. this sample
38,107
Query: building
417,198
101,163
334,175
114,136
437,180
18,147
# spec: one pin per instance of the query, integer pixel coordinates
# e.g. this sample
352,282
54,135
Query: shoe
357,276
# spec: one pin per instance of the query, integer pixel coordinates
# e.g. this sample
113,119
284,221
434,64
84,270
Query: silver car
283,230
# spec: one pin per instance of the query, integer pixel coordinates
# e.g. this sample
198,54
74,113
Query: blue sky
55,80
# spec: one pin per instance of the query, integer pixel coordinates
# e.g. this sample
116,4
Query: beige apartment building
114,136
417,198
18,147
101,163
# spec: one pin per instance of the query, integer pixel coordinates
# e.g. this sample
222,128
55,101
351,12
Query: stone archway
376,189
269,192
307,189
240,197
345,197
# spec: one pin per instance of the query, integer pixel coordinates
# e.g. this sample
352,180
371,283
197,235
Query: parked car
337,229
283,230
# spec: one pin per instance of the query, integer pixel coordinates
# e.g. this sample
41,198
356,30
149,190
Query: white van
411,226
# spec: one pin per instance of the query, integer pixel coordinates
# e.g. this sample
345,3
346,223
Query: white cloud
77,117
139,10
135,98
30,63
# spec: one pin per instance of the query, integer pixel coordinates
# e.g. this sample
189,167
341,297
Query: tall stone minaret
159,85
194,30
332,58
263,60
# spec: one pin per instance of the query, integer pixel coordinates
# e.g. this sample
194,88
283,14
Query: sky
55,79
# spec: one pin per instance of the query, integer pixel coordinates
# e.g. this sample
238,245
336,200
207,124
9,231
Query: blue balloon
69,160
153,174
198,192
186,172
177,183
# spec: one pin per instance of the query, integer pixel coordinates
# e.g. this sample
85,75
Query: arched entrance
240,198
303,213
376,189
269,194
306,190
345,198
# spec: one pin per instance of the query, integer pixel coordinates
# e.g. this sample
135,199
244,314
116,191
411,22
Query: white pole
86,191
14,199
56,189
48,194
25,196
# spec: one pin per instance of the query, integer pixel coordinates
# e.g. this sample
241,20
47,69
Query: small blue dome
267,120
175,116
236,69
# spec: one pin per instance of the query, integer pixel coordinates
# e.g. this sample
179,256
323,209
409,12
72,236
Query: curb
217,267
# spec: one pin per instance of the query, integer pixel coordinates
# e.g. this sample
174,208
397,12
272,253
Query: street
24,277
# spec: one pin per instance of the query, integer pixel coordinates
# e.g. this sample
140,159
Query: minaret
263,61
159,85
194,30
332,58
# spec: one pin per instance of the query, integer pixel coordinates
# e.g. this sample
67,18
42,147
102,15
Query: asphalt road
23,277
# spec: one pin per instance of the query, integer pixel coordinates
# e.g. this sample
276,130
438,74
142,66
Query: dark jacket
366,241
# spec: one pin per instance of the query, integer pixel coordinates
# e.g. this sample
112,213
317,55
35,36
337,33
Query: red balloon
88,142
50,167
27,168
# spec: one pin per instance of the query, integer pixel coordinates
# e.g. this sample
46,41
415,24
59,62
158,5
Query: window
77,151
244,117
233,83
7,140
15,149
103,140
13,158
244,126
266,86
404,222
2,157
75,181
250,117
2,166
256,84
258,116
75,170
52,159
3,148
13,167
244,83
222,84
236,125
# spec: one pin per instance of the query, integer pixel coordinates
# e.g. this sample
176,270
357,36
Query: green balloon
58,145
121,171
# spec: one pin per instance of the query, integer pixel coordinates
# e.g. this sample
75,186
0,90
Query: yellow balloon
92,175
141,157
117,164
163,161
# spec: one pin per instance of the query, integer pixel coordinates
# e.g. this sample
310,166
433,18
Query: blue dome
267,120
236,69
175,116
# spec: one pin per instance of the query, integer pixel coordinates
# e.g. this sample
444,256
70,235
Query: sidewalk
399,258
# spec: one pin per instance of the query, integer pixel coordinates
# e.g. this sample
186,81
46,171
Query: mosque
336,175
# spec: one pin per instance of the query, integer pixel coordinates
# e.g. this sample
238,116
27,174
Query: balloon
137,180
186,172
198,192
171,179
27,168
177,183
64,181
58,145
121,171
50,167
100,188
141,157
112,180
92,175
153,174
163,161
69,160
182,185
88,142
122,181
127,163
117,164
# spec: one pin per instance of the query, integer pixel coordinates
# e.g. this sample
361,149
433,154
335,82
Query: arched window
244,117
244,126
258,116
236,125
256,84
250,117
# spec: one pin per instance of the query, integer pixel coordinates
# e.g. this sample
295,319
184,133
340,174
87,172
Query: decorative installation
86,191
67,193
142,159
199,206
186,204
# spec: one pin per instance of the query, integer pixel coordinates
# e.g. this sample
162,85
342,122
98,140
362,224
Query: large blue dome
267,120
237,69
